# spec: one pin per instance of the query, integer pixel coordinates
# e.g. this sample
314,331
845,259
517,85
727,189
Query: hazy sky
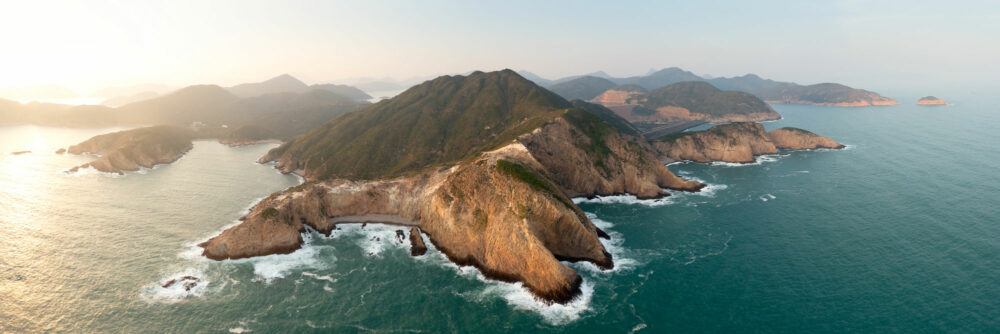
886,45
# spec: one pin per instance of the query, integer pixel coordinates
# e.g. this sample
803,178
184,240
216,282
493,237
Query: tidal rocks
61,151
417,246
128,150
188,282
20,152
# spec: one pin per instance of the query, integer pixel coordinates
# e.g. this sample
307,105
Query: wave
624,199
760,159
178,290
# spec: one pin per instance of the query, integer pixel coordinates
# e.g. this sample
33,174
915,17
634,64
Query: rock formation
737,142
128,150
485,175
417,246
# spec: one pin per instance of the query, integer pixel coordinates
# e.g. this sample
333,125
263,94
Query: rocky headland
129,150
486,173
737,142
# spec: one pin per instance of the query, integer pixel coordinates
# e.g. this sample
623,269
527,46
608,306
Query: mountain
702,100
483,164
39,92
459,115
584,88
119,101
538,80
201,103
279,84
828,94
681,105
120,91
344,90
662,78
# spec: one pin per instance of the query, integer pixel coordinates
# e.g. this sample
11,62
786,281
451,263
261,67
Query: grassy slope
443,120
703,98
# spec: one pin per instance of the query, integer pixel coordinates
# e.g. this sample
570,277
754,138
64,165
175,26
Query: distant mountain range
282,106
590,86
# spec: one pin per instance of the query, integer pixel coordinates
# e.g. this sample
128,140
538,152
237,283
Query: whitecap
156,292
760,159
373,238
270,268
624,199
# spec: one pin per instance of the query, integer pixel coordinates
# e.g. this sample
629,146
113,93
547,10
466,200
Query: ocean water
898,233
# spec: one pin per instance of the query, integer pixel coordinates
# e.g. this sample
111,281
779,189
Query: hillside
131,149
483,164
583,88
440,121
768,90
279,84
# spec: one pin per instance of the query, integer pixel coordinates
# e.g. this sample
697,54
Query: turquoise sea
900,233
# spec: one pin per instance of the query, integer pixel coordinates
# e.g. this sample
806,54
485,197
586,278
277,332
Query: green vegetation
703,98
608,116
438,122
584,88
929,98
531,178
269,213
797,130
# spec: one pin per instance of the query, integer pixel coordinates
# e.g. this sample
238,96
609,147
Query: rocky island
931,101
128,150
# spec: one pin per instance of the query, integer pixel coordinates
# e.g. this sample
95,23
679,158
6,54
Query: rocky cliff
128,150
486,173
498,213
797,139
586,158
737,142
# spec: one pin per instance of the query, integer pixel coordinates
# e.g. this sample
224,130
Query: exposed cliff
737,142
498,213
586,157
483,164
798,139
128,150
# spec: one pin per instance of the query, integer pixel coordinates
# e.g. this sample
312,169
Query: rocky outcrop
931,101
20,152
734,142
61,151
737,142
417,246
129,150
797,139
498,213
587,161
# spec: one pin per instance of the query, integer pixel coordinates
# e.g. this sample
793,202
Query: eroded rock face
128,150
510,222
417,246
613,97
738,142
735,142
798,139
623,163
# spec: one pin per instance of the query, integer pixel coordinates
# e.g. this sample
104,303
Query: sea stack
931,101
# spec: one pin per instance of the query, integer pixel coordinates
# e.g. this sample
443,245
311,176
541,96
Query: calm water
899,233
